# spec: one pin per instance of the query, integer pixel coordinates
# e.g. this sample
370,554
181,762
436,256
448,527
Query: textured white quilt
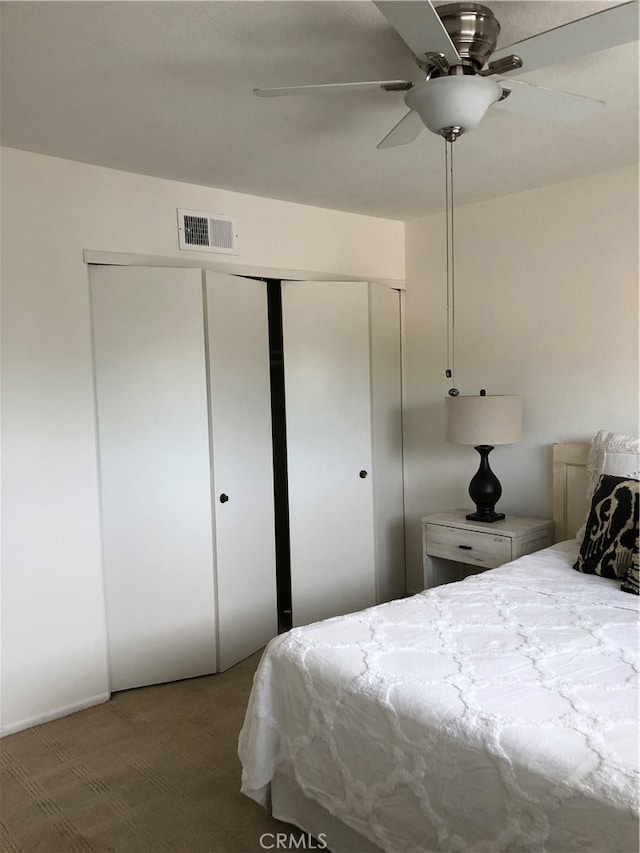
495,714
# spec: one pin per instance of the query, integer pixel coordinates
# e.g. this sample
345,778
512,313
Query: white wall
54,650
546,307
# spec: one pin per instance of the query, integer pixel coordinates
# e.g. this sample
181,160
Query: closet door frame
91,256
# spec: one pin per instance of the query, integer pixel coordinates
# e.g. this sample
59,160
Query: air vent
207,232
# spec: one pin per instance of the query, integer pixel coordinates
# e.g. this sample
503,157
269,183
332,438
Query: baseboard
54,714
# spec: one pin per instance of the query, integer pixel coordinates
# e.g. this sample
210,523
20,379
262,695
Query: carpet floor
153,770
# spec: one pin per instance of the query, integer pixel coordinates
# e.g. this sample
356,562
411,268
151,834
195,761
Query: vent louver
207,232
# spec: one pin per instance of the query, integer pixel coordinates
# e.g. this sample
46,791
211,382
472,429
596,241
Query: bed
495,714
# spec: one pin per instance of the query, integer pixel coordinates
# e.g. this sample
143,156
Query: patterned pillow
610,453
630,582
611,529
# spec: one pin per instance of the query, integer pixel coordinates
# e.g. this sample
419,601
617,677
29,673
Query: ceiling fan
454,45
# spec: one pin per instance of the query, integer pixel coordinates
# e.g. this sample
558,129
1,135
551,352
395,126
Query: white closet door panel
238,339
154,472
327,388
386,401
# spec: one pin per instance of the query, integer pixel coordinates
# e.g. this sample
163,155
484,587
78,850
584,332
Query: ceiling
165,89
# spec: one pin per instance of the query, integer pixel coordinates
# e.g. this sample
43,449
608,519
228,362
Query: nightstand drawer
468,546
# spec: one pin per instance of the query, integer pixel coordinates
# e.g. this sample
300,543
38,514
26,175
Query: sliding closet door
153,435
327,388
242,471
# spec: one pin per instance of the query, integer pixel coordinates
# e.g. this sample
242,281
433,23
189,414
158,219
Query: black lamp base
485,489
486,516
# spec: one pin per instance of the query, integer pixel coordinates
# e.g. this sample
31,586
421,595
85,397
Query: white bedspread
495,714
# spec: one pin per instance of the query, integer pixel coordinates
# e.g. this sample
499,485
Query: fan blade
547,104
408,128
385,85
419,26
609,28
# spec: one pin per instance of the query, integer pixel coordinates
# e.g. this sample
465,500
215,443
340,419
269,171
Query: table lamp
483,422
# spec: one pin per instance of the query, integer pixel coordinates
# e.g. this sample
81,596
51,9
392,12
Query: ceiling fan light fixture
459,101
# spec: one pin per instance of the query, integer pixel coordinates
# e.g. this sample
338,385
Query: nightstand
449,536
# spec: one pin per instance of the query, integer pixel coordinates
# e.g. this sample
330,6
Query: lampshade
455,101
484,420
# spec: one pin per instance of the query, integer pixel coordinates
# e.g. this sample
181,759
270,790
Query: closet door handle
224,498
363,474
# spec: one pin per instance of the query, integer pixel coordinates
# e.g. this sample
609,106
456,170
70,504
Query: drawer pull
465,547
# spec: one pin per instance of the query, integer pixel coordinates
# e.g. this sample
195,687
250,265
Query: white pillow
610,453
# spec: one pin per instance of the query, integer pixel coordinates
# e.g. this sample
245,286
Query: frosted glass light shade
484,420
456,101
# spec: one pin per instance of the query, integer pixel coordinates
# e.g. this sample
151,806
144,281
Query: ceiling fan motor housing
474,31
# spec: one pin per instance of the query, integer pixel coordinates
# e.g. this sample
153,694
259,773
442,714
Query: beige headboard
569,488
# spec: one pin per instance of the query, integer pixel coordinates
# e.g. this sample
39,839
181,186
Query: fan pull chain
450,240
